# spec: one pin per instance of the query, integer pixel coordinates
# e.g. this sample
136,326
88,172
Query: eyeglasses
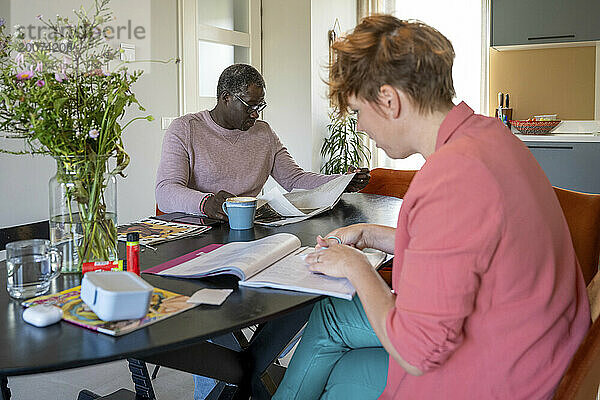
252,108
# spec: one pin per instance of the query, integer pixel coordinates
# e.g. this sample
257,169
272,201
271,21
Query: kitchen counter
570,155
567,131
570,161
561,137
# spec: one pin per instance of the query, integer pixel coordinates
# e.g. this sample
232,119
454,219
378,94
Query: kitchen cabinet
518,22
569,165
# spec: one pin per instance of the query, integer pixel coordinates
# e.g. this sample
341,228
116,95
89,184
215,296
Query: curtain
368,7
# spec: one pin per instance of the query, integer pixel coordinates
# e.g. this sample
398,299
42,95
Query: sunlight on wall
460,21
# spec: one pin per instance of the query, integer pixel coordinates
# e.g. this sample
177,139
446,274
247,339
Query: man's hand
360,180
213,206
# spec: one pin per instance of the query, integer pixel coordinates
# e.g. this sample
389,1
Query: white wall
157,92
323,16
286,66
295,54
24,179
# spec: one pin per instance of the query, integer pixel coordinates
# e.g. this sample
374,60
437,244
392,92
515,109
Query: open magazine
275,261
163,304
153,231
276,208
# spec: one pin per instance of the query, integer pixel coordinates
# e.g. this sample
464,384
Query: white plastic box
116,295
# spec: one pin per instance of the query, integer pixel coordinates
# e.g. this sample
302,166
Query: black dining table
181,341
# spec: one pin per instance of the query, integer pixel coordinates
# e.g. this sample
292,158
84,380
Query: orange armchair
582,212
389,182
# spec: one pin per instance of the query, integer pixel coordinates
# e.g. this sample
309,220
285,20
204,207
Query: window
468,38
213,35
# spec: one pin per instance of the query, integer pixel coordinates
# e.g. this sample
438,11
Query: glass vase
83,211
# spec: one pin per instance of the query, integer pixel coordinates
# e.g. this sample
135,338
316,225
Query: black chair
36,230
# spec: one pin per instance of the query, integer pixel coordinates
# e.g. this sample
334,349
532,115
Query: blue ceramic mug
240,211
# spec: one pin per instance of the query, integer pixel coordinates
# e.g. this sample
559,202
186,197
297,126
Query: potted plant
60,99
345,146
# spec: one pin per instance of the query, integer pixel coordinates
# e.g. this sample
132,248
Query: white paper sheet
279,203
214,297
299,205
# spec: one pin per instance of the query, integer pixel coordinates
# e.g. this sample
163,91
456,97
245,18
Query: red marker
133,252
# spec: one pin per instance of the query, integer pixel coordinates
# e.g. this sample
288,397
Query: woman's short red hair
382,49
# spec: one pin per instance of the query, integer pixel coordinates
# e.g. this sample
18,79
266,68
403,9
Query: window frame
191,32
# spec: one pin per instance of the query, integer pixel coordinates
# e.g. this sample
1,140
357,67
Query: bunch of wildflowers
58,95
59,98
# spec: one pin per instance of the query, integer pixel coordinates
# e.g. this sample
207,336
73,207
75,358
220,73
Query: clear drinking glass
31,265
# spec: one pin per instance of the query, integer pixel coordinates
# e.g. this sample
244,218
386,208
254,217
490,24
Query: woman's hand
353,235
361,236
337,260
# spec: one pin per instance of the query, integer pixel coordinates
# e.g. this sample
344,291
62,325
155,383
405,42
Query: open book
275,261
276,208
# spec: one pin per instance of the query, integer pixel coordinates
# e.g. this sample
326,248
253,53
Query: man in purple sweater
225,152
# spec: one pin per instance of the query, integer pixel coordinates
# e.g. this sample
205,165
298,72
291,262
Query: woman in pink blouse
488,300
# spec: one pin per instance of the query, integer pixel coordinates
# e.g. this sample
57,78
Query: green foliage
345,147
58,97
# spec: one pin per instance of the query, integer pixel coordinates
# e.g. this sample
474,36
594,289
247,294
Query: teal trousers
339,356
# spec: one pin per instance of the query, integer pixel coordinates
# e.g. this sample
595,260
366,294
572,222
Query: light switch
127,52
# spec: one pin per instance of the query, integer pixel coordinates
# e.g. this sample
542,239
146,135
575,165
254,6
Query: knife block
505,111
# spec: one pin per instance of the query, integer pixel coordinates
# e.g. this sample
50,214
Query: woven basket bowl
534,127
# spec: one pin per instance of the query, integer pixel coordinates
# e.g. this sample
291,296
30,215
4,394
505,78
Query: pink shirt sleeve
451,240
172,178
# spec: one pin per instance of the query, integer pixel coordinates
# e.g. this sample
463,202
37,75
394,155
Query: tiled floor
102,379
